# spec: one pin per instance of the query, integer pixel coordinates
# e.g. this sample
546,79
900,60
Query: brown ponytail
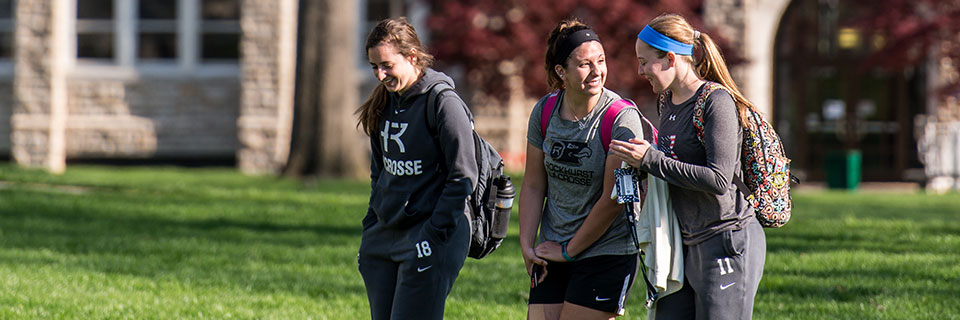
559,33
711,66
401,35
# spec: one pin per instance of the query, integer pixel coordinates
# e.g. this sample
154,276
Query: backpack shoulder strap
606,124
660,99
650,132
698,123
701,106
547,110
433,108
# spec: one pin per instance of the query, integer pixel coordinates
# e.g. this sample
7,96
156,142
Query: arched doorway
827,103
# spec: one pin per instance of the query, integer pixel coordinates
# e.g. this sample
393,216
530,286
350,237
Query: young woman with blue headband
724,245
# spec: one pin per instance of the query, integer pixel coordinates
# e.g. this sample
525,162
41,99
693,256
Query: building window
157,33
6,29
95,29
372,12
157,24
220,30
377,10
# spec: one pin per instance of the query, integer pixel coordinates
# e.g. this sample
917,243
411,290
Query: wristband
563,250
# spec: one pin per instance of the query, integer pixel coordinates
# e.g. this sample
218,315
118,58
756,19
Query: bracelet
563,250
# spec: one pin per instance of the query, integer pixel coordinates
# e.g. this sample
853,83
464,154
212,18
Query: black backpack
489,205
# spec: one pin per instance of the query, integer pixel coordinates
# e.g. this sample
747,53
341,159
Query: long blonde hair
709,67
400,34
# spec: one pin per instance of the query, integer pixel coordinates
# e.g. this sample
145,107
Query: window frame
9,25
159,26
217,27
126,63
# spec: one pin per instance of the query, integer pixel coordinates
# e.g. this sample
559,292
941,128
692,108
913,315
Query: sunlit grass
165,243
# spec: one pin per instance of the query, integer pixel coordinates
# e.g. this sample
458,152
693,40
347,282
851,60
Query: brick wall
163,118
266,108
50,111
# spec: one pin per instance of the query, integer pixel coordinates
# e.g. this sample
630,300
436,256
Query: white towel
660,240
659,235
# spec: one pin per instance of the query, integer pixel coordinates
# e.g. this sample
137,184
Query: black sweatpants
721,276
409,273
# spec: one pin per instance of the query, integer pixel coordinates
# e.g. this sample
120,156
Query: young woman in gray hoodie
415,234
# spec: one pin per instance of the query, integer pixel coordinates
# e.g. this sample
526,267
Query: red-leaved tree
910,29
492,39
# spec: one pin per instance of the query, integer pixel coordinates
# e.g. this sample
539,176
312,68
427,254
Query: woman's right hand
530,258
631,152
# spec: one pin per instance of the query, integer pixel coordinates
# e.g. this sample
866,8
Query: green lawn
165,243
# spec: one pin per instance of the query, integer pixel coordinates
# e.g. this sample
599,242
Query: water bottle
503,206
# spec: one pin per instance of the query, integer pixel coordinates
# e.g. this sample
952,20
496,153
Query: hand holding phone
535,273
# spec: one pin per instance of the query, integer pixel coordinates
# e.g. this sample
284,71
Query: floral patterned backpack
765,168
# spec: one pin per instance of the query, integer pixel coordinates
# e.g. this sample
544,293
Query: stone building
121,79
214,80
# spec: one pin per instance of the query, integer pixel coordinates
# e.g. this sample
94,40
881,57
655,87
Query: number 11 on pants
729,267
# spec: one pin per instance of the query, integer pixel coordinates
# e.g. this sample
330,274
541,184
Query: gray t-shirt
574,161
701,174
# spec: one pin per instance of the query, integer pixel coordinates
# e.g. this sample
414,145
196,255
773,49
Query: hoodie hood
428,80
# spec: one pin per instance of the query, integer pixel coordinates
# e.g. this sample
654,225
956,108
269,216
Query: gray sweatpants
409,273
721,277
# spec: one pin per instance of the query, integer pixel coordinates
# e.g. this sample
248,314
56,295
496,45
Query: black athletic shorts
601,283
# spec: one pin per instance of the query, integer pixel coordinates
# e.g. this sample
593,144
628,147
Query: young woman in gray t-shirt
583,262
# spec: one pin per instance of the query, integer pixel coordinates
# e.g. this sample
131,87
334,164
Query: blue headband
665,43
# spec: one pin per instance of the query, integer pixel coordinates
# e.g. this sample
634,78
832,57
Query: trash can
843,169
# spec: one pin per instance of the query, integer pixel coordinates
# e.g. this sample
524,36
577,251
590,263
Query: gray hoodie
418,172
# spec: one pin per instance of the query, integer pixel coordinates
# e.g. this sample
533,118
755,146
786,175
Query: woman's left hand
550,251
631,152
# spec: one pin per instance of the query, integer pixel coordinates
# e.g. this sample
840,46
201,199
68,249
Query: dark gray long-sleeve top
701,175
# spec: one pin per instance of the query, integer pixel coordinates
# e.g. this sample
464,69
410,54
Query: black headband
571,42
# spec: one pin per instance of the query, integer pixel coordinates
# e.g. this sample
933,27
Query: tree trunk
326,141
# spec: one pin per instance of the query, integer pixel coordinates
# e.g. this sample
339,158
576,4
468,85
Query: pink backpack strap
547,110
606,125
